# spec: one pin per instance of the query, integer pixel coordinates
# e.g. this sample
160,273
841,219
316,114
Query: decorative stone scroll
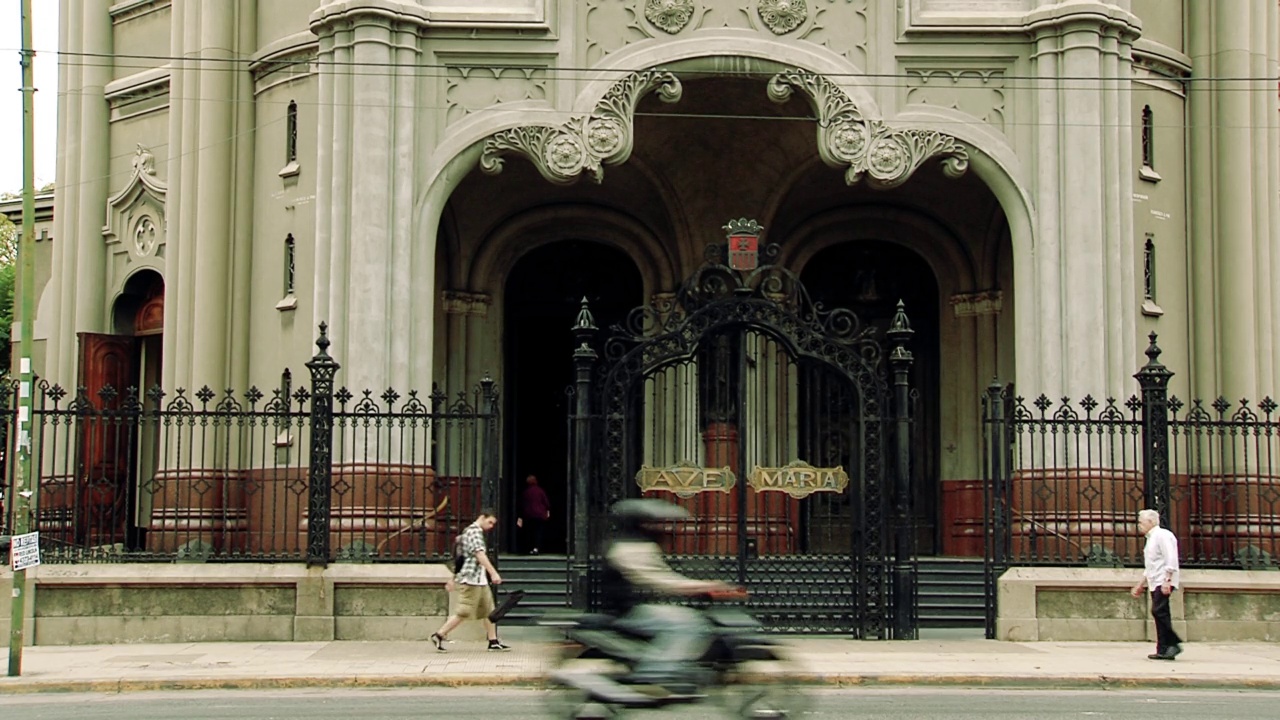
686,479
869,148
585,142
799,479
669,16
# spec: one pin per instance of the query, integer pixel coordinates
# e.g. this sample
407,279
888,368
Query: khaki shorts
474,601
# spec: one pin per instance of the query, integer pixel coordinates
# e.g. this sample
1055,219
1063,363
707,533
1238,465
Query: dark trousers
1165,636
533,534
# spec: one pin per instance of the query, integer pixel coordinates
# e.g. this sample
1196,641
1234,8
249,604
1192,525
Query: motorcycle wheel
573,704
763,689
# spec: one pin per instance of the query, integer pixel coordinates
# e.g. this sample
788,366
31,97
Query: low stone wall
1094,604
96,604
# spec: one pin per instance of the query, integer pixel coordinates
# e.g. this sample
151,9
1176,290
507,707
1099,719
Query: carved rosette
886,156
669,16
782,16
585,142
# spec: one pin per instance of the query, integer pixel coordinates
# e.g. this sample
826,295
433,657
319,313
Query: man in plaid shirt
475,599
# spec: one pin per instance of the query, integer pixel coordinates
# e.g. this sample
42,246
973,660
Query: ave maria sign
798,479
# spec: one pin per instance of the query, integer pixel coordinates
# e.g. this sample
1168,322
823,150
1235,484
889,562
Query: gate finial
586,321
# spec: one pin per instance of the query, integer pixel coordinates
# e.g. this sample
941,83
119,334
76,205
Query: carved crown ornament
137,212
869,148
584,142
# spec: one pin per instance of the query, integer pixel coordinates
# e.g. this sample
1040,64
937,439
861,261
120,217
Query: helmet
647,516
648,510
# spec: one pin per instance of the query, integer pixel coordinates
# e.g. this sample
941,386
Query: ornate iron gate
770,418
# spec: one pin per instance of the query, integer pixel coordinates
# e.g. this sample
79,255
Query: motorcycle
749,674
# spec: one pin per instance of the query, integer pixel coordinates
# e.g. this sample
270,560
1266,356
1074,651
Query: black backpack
458,557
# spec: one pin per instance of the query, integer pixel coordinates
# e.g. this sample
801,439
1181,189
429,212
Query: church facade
441,182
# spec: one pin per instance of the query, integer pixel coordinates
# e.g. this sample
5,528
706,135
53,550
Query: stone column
368,82
1233,197
1083,191
468,341
60,358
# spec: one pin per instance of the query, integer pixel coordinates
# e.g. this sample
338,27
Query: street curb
1026,682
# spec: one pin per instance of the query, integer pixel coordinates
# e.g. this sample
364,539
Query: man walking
1162,576
475,599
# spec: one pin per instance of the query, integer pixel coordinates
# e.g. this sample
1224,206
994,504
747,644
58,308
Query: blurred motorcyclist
636,574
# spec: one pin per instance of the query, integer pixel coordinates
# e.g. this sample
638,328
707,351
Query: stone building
441,181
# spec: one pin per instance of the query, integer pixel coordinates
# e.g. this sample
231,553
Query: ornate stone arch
499,252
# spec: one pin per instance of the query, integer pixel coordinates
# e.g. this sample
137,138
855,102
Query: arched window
289,266
291,133
1148,138
1149,269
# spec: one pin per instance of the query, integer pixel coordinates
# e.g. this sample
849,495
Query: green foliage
8,277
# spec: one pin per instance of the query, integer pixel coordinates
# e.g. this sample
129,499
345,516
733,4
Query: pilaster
368,57
1084,300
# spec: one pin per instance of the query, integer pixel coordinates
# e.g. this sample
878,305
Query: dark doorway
869,277
543,295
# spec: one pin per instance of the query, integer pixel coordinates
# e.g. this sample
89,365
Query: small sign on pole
24,552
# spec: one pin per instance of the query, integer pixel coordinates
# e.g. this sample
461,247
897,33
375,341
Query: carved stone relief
469,88
584,143
669,16
866,147
144,236
611,25
137,213
979,92
782,16
841,26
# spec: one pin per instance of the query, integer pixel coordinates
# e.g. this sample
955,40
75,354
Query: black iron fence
1067,479
297,474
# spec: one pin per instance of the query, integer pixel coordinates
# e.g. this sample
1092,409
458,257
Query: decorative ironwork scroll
799,479
584,143
867,147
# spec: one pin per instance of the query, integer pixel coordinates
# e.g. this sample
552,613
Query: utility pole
20,497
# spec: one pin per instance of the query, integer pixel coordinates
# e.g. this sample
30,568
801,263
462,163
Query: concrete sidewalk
959,661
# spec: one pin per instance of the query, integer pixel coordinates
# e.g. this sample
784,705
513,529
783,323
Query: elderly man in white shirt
1162,576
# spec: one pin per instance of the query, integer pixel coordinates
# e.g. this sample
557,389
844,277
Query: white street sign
25,551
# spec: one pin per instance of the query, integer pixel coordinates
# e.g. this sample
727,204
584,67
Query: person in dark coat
535,510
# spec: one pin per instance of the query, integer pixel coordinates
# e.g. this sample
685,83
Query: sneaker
497,646
438,641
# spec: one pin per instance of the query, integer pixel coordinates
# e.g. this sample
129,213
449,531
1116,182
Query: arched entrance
115,372
542,295
869,278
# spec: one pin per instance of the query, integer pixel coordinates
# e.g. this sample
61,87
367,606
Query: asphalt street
507,704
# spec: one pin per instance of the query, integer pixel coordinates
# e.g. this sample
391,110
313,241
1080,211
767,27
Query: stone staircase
950,589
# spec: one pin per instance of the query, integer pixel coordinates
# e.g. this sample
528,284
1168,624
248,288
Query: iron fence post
995,499
320,472
904,576
584,359
1153,378
489,464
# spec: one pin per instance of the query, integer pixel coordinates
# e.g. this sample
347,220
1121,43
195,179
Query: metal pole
904,570
584,359
20,498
